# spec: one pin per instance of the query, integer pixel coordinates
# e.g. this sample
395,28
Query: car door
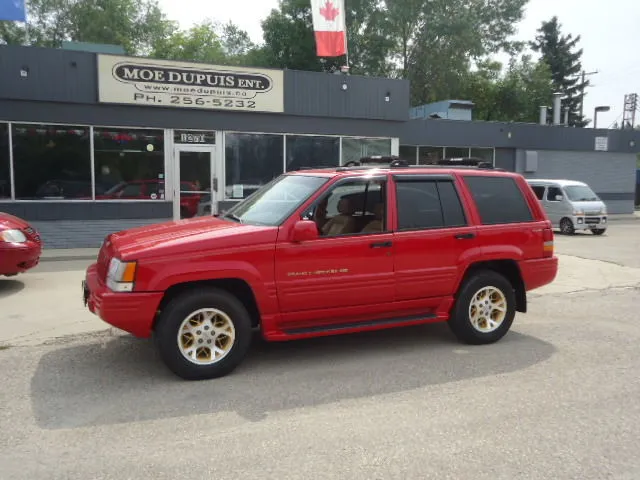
345,272
431,239
554,207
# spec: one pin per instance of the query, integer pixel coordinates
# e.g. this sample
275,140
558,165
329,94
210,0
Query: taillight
547,238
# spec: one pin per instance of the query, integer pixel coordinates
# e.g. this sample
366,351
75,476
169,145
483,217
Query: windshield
580,193
274,202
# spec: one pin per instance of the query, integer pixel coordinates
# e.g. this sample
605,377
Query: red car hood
10,222
183,236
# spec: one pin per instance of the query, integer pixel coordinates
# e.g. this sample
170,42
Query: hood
593,207
8,222
184,236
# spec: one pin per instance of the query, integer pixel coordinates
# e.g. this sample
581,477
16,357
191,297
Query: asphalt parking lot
557,398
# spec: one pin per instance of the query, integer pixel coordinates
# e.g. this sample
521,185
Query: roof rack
375,161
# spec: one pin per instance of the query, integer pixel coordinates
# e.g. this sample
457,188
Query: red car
325,252
20,245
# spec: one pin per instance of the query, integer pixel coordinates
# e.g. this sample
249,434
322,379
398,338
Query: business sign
601,144
162,83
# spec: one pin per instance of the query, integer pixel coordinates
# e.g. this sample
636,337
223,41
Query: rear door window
425,204
499,199
539,191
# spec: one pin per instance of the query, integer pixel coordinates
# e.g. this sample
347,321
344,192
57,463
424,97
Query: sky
608,30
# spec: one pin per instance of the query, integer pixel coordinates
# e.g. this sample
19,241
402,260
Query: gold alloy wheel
488,309
206,336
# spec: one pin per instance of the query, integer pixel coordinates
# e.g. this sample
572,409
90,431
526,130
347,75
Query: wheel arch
237,287
510,270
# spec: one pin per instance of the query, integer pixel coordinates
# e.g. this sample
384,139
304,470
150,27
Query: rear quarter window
499,200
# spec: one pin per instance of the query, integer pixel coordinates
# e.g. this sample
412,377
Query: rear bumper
132,312
18,258
539,272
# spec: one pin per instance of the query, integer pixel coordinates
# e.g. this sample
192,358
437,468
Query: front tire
566,226
203,334
484,310
598,231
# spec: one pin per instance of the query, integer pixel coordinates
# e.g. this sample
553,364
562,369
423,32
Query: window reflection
306,151
456,152
252,160
430,155
409,154
51,162
485,154
5,179
356,148
129,164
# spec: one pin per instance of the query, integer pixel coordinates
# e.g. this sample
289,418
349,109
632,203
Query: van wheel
484,310
598,231
566,226
203,334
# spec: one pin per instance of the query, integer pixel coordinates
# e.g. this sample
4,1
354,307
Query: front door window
197,189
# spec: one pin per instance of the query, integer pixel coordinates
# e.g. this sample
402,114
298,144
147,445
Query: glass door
196,194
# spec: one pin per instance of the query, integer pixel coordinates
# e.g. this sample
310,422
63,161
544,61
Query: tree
560,53
133,24
512,96
200,43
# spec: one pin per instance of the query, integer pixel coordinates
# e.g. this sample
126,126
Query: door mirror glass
304,230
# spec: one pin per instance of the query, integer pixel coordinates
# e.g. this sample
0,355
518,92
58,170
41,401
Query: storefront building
92,143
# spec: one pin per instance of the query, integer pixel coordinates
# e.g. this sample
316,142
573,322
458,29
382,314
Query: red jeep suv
325,252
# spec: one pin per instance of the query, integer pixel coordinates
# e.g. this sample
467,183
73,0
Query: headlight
13,236
604,210
121,275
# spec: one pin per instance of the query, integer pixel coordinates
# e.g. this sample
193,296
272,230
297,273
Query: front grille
32,234
592,220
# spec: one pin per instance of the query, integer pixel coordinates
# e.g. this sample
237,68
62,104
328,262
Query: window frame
408,178
302,215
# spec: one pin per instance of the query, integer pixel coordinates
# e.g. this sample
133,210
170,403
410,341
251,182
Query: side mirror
304,230
559,198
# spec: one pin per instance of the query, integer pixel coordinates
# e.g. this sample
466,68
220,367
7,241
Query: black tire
178,309
460,321
598,231
566,226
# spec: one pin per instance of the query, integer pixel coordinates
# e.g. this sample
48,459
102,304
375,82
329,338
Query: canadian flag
329,27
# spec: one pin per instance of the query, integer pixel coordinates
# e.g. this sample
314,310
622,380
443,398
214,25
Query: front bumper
588,222
19,257
133,312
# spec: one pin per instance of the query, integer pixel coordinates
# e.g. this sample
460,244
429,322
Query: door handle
465,236
382,244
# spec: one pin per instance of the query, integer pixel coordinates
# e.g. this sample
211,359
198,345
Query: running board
367,324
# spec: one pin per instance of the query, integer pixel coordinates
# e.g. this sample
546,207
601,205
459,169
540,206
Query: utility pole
583,75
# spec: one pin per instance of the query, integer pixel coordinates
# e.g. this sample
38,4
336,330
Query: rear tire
566,226
203,334
484,310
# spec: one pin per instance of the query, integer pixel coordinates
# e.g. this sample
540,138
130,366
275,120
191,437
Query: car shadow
122,380
10,287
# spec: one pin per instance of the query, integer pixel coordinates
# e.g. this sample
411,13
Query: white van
571,205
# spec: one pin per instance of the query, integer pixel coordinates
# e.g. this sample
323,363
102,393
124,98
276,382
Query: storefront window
409,154
456,152
129,164
430,155
485,154
51,162
252,160
305,151
5,179
356,148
